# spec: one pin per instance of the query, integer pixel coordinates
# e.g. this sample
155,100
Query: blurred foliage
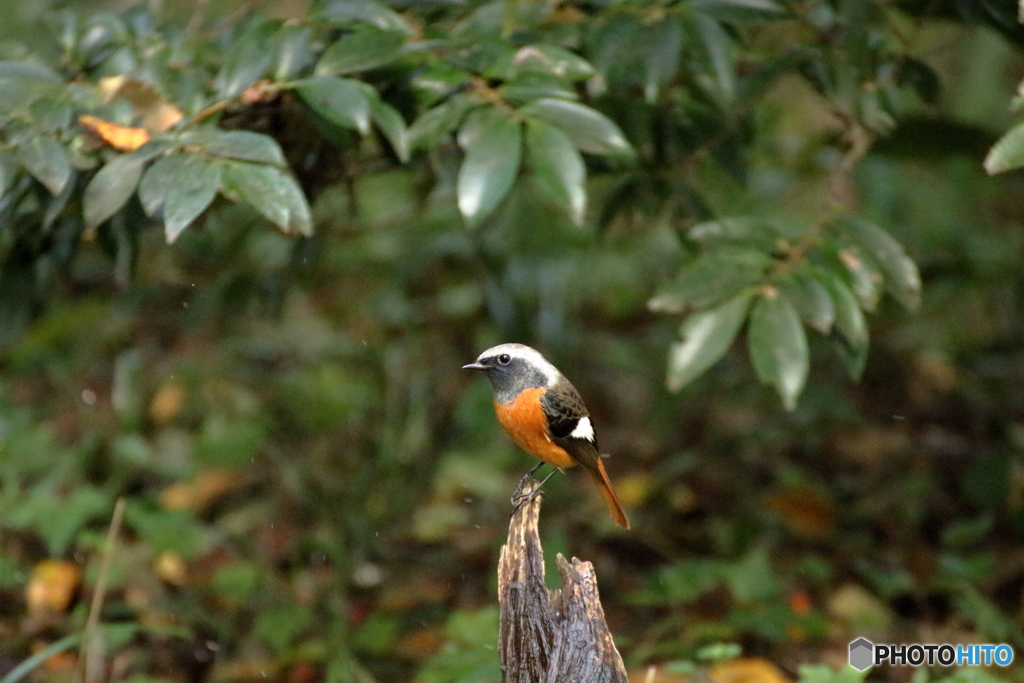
243,254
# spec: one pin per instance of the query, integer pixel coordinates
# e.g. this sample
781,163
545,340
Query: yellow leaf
52,586
121,138
167,402
747,670
171,568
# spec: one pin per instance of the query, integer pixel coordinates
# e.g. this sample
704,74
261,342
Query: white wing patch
583,430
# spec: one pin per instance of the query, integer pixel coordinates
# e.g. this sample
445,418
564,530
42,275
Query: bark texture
550,636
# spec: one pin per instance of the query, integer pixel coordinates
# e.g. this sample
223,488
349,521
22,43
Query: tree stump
549,636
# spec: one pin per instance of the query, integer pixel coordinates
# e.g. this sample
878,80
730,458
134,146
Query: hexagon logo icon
862,654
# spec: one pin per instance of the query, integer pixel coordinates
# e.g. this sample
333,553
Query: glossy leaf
531,87
706,337
558,167
865,279
661,55
590,130
392,125
778,347
739,10
347,13
902,278
547,59
715,275
190,193
8,171
338,100
365,48
28,71
240,144
811,300
293,53
299,218
850,331
262,187
247,59
714,51
47,161
111,188
492,142
434,124
157,181
1008,152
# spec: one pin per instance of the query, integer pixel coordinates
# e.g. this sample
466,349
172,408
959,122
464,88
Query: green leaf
590,130
661,55
752,578
8,171
739,10
158,180
545,59
293,53
190,193
706,337
902,278
365,48
714,56
262,187
492,142
165,530
434,124
76,508
851,330
240,144
534,86
346,13
392,125
247,59
746,231
47,161
715,275
866,280
299,218
558,167
28,71
338,100
778,347
111,188
50,114
811,300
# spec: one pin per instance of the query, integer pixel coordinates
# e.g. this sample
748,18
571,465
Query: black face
509,375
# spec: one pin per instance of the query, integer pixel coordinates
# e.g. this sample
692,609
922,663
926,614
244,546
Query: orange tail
605,487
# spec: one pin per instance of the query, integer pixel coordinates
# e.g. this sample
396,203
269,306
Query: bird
545,415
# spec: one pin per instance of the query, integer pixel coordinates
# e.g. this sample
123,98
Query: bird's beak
474,366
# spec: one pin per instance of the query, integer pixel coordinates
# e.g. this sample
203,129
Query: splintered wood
550,636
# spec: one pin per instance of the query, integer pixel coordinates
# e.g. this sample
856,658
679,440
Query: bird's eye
504,359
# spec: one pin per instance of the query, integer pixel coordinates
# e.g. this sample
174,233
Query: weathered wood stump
550,636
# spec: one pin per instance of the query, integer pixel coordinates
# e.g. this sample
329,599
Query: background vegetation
245,248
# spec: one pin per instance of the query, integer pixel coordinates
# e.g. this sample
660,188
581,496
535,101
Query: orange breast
525,422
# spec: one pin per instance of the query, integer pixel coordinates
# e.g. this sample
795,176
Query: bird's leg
523,482
519,499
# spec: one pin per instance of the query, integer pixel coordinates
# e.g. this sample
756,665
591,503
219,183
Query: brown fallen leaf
804,510
205,488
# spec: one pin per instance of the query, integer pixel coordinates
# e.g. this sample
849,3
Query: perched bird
544,414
